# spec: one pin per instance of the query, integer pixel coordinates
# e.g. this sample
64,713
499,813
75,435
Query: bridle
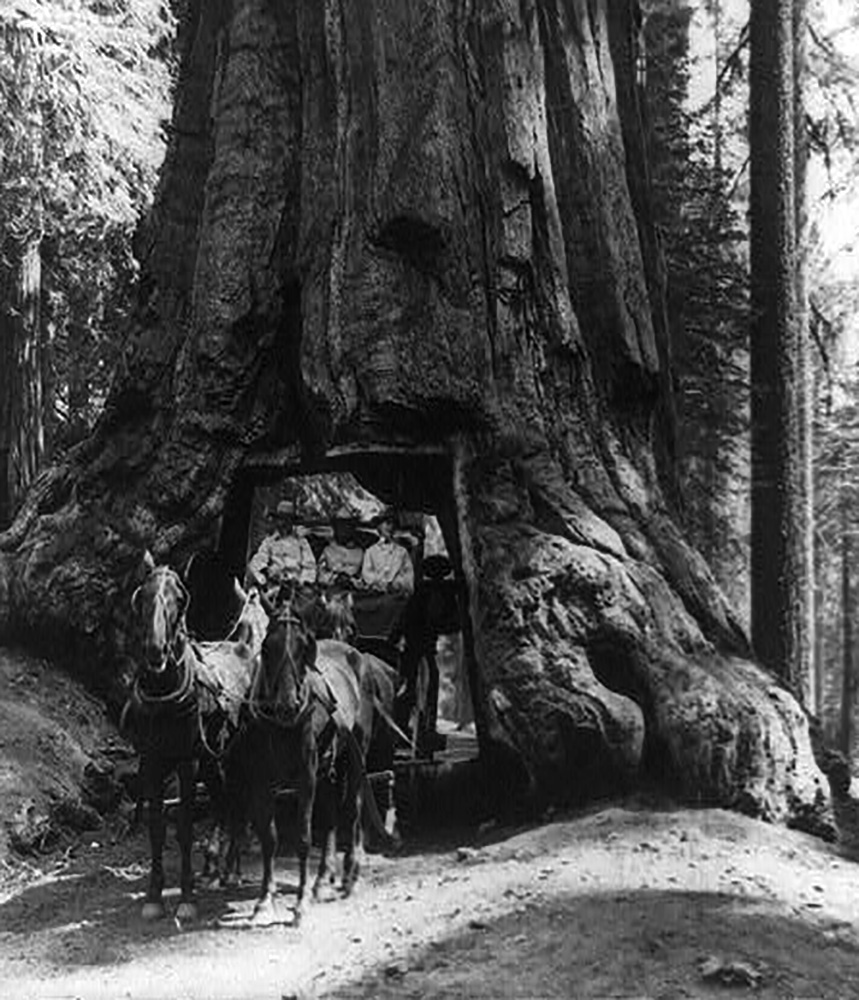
173,650
262,704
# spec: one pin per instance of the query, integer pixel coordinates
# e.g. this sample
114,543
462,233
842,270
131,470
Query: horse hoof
186,910
324,891
152,910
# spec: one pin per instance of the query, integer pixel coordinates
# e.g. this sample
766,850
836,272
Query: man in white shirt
387,565
283,556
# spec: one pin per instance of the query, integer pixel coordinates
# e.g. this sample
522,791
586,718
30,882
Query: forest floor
630,898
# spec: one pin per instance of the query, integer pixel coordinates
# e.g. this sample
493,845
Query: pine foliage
90,79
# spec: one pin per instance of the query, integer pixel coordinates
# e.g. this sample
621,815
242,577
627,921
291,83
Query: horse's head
336,612
159,605
288,653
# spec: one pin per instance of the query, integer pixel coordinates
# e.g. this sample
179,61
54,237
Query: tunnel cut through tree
427,226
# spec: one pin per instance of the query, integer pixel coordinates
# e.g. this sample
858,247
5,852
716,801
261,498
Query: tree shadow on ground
92,916
641,943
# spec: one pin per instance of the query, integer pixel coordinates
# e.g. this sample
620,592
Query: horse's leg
262,818
235,807
306,798
353,802
235,818
215,849
326,811
232,867
187,909
212,851
153,783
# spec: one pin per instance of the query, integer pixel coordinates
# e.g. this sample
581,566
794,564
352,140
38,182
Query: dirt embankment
60,758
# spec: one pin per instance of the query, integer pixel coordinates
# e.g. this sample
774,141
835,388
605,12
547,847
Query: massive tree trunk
386,229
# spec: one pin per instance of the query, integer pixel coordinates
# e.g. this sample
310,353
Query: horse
311,713
330,614
183,706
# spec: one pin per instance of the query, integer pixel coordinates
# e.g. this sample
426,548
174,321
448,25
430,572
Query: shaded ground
628,899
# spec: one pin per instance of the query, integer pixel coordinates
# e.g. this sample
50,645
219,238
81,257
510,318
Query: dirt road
621,901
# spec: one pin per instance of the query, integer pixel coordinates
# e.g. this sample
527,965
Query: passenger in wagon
341,560
283,556
387,565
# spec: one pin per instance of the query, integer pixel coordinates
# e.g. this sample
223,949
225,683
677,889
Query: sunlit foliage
84,96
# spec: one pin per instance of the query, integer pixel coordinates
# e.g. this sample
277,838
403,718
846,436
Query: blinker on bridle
173,650
272,711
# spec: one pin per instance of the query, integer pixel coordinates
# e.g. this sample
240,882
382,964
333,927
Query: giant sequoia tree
415,239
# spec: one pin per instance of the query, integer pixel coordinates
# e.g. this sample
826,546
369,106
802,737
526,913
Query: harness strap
386,715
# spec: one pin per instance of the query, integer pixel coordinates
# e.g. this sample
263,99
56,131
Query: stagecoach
416,630
389,625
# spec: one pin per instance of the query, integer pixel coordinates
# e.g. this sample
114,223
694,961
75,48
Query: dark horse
311,718
166,723
181,710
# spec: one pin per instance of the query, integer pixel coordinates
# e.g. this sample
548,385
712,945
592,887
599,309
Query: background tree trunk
848,678
22,438
780,527
385,227
805,371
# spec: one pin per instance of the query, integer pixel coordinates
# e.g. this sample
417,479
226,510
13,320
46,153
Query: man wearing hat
387,565
283,556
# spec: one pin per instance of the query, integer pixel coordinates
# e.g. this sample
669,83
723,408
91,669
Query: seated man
341,560
283,556
387,565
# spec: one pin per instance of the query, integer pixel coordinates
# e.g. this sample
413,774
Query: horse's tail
389,840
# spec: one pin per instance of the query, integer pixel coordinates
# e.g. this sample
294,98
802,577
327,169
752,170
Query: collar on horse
183,694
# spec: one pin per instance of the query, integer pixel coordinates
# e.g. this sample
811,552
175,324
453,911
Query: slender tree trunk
779,514
818,703
804,375
22,439
848,684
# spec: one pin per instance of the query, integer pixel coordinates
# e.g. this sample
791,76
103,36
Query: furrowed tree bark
848,669
805,372
22,438
780,516
427,226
